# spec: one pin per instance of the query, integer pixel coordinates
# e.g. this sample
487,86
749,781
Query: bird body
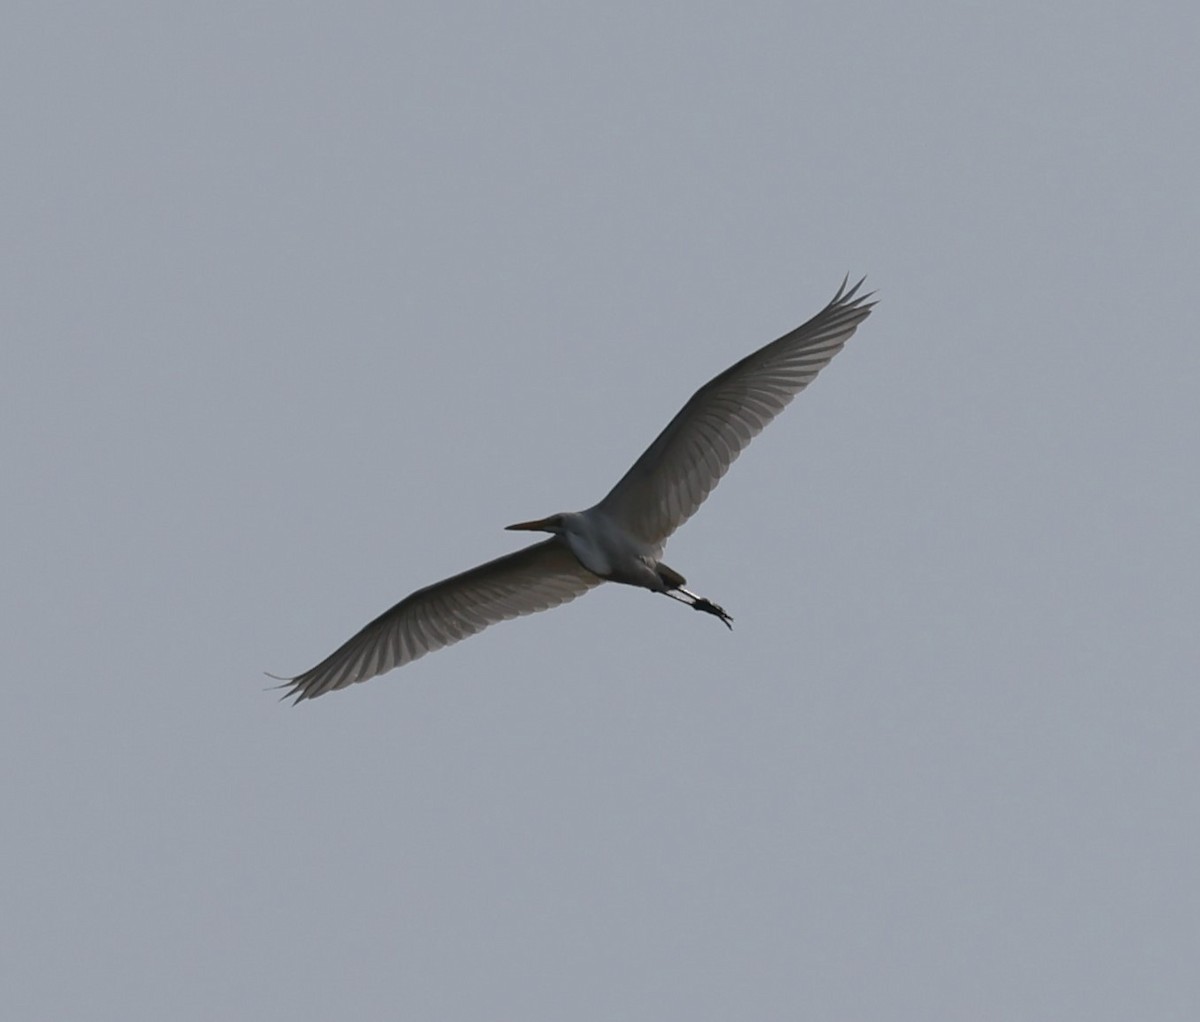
602,546
621,538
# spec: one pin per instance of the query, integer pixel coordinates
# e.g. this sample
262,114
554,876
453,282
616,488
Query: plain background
303,302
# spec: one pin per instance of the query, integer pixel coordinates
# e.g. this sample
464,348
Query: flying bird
619,539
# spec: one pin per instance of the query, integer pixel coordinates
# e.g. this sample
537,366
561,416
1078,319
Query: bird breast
593,553
609,551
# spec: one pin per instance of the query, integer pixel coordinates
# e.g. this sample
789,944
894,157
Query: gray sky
303,303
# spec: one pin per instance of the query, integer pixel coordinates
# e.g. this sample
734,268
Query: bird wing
670,480
537,578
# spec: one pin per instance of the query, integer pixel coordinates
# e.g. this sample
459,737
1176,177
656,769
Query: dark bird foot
700,603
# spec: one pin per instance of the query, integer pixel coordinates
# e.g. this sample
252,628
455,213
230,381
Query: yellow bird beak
541,525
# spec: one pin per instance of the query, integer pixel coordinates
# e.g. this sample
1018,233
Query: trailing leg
697,602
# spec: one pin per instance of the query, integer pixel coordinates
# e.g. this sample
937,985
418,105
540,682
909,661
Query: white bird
618,540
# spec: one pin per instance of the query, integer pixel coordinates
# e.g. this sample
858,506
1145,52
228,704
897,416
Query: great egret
618,540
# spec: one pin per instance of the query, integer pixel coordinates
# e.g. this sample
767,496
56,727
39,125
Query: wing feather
537,578
679,470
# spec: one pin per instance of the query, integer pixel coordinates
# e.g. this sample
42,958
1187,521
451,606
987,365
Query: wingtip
291,684
846,297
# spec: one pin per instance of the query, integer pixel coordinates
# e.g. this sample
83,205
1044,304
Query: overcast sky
304,302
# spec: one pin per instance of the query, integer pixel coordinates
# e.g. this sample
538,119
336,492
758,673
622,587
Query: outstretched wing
670,480
537,578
